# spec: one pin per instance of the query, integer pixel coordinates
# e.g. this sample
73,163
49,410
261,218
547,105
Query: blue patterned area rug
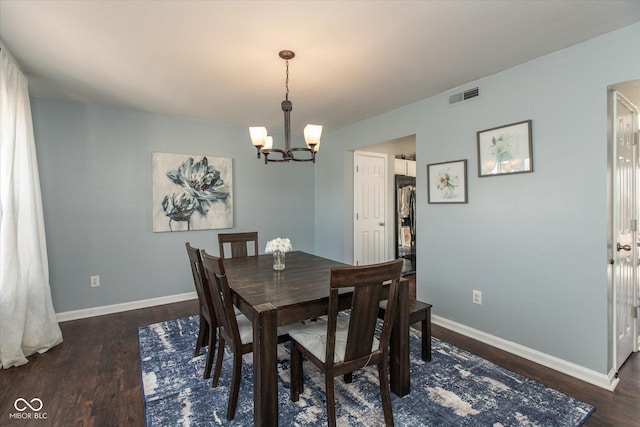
455,388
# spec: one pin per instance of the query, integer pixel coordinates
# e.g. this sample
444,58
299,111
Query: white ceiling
218,61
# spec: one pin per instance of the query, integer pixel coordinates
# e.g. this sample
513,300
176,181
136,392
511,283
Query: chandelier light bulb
312,134
258,135
268,143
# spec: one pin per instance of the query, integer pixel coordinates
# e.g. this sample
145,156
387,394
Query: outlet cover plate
477,297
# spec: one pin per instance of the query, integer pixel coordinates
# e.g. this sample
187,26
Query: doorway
623,221
399,148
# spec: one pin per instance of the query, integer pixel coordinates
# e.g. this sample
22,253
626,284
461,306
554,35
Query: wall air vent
464,96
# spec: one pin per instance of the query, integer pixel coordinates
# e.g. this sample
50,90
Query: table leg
399,352
426,336
265,369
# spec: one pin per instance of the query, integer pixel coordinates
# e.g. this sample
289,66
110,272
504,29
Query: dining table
272,298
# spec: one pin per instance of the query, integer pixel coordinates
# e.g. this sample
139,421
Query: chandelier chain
286,81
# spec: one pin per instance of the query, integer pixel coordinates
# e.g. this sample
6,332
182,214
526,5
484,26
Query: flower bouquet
278,247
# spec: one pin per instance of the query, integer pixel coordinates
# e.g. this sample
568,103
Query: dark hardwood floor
93,377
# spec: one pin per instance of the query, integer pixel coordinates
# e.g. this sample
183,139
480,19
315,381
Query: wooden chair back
222,300
199,278
239,243
369,284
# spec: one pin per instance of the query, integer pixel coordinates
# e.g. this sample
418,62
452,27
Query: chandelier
264,143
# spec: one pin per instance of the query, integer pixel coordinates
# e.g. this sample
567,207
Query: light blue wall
95,171
534,244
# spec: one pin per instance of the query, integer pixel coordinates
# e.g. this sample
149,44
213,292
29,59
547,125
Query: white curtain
27,319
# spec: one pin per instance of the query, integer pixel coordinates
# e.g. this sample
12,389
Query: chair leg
348,378
385,394
295,373
216,372
331,400
210,351
202,331
236,376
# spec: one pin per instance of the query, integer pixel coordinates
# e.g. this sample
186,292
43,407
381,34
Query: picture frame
447,182
191,192
505,150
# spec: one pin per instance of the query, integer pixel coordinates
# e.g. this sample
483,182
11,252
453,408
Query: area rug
455,388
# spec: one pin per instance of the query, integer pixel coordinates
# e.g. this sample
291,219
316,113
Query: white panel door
370,185
625,239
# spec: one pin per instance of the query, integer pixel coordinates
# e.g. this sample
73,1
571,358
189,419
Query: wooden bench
418,312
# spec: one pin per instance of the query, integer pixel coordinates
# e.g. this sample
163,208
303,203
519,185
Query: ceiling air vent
464,96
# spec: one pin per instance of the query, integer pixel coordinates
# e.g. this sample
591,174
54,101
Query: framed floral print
505,150
191,192
447,182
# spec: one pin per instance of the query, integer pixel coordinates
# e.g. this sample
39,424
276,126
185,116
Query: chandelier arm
302,149
284,154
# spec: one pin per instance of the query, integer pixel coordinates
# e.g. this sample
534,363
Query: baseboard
608,382
65,316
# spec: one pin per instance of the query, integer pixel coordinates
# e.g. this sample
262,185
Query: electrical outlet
477,297
95,281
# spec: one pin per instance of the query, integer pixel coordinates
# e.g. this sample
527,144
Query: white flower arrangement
278,244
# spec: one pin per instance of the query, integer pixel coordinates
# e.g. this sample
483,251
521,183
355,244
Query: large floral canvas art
192,192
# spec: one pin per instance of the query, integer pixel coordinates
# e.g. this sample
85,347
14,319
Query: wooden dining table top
304,280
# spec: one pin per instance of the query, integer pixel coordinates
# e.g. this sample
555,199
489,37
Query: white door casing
625,230
370,201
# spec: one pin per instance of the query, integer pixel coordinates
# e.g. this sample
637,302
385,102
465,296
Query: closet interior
405,212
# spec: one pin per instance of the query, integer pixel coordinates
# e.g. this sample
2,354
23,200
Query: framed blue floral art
192,192
505,150
447,182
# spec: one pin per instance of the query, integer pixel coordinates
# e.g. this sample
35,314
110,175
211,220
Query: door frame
611,233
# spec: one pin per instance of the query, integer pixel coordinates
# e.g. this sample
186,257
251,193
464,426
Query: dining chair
340,345
207,320
236,330
239,243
